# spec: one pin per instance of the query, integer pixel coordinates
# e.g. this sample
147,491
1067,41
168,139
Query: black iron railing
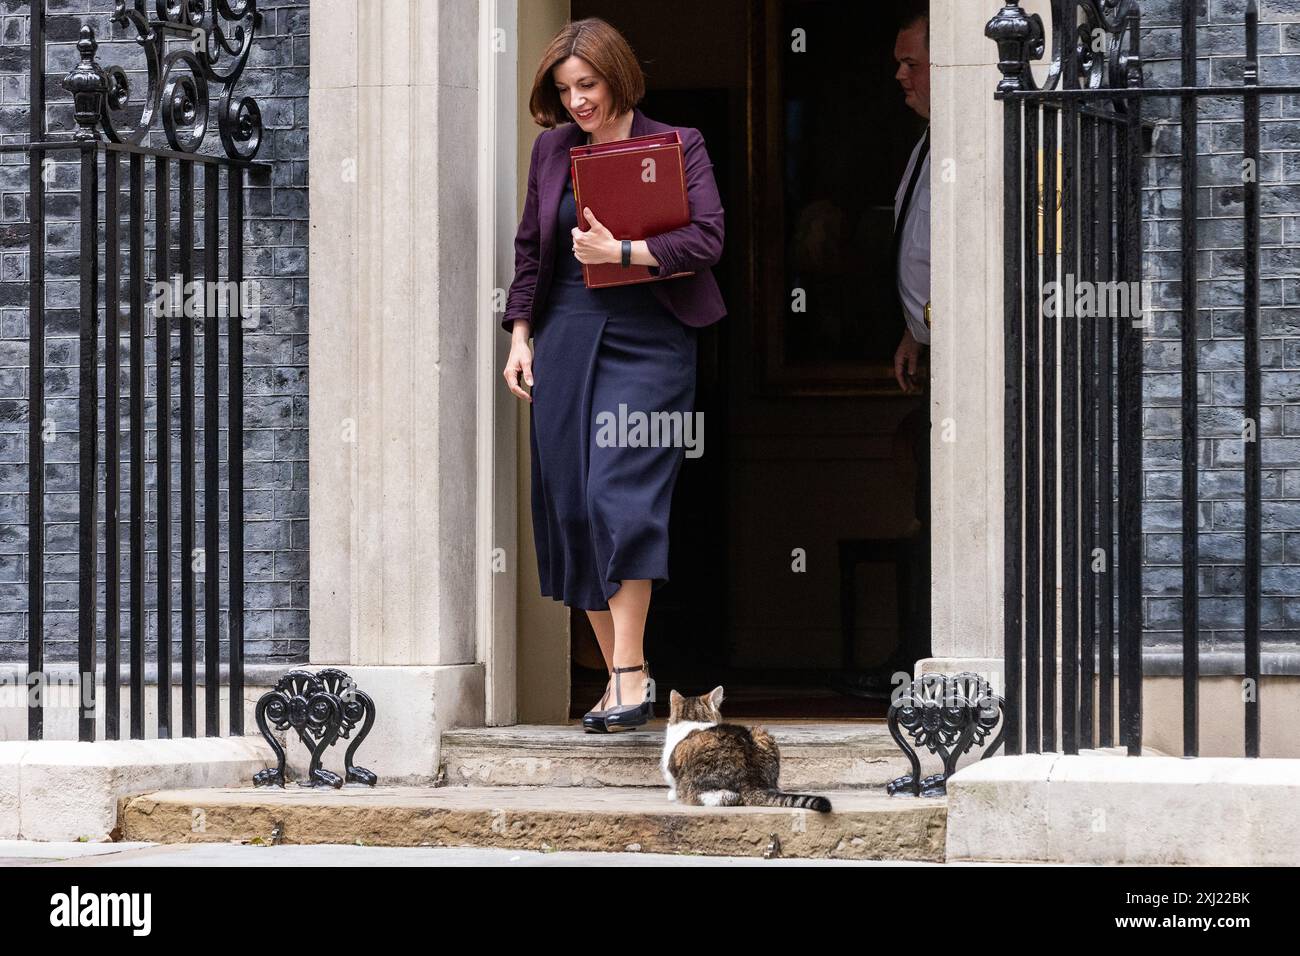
186,47
1088,215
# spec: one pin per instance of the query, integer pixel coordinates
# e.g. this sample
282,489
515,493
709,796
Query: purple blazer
695,300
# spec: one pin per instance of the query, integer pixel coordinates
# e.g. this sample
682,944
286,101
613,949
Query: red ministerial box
636,187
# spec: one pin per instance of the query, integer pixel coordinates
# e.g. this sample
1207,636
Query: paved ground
29,853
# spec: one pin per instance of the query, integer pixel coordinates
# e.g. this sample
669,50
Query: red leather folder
614,180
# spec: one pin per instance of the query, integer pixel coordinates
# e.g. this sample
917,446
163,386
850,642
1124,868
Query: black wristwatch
627,253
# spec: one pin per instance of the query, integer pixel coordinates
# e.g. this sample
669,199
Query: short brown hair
609,54
912,12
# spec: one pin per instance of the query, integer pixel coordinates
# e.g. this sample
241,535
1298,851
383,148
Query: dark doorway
801,455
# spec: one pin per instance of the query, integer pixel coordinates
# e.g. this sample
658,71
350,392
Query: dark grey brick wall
1221,47
275,350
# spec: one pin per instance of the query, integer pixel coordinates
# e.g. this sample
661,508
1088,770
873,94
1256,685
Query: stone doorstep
815,755
862,825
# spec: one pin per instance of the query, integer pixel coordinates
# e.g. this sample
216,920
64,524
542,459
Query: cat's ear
715,696
673,697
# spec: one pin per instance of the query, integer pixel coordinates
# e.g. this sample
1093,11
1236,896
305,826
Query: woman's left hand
597,244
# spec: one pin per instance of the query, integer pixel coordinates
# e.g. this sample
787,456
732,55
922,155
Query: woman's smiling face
583,92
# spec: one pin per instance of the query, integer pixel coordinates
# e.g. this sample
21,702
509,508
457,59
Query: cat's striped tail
758,797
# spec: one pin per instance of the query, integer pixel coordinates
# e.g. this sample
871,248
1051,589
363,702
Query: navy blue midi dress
600,509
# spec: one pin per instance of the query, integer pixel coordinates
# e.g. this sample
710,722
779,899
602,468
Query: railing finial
87,84
1020,38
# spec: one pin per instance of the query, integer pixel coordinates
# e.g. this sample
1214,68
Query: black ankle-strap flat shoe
625,716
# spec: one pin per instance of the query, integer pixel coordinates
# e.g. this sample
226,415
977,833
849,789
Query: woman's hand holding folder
598,244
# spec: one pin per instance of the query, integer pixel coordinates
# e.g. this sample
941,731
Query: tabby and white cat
709,763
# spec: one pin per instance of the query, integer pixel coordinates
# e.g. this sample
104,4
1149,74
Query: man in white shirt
912,202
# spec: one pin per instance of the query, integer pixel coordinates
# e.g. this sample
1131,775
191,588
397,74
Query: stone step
864,825
815,755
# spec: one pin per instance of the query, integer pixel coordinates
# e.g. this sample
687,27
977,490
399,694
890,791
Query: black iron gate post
1190,448
1250,108
1013,35
1070,373
36,386
1129,409
87,85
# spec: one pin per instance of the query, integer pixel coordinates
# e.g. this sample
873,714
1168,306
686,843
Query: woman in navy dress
600,509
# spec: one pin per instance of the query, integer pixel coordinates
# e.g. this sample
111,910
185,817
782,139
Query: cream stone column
966,347
393,330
